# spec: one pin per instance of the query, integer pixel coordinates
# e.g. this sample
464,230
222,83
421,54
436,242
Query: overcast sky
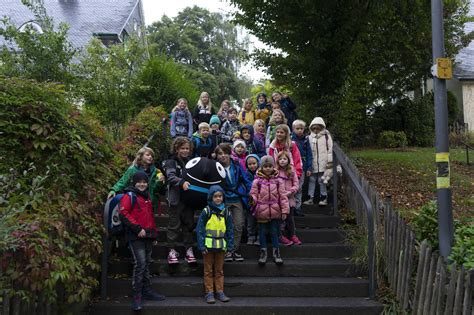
154,10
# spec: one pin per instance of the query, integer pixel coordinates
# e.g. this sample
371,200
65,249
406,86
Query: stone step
306,235
308,221
245,305
306,250
252,286
303,267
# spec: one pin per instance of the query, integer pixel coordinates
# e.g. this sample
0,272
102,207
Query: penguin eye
193,162
220,169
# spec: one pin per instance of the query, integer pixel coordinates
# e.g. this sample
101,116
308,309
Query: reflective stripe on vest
215,232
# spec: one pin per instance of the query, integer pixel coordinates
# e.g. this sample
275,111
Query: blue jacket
202,147
238,185
305,151
204,217
253,145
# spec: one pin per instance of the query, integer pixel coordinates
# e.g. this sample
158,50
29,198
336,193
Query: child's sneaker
237,256
309,202
222,297
137,302
209,297
173,257
285,241
276,256
262,260
190,259
257,242
228,257
150,294
323,201
295,240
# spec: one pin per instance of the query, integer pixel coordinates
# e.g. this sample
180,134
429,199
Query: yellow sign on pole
444,68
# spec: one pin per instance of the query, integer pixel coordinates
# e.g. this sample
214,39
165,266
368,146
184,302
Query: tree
341,58
206,44
43,55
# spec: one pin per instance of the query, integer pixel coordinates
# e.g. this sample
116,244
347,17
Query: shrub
55,169
426,224
162,81
392,139
150,121
463,249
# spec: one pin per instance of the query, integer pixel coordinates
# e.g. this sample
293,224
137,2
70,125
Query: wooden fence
417,275
14,305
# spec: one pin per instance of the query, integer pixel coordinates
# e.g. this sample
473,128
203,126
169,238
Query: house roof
464,68
85,17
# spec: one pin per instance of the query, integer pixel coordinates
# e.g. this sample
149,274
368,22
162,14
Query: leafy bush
392,139
55,168
152,121
426,224
162,81
463,249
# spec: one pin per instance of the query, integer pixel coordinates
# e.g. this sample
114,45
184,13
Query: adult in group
287,106
203,110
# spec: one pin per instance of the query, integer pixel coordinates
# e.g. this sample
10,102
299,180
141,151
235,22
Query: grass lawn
409,176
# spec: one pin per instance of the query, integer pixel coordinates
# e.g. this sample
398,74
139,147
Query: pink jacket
291,186
240,159
275,148
270,197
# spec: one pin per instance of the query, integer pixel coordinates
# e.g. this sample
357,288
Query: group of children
262,191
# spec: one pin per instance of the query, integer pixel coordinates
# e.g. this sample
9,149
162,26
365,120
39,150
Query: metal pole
334,180
445,215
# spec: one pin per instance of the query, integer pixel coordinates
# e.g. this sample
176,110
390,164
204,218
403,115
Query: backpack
111,214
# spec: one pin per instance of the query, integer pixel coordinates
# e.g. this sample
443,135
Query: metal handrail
338,158
468,147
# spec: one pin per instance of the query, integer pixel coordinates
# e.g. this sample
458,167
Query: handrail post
467,154
334,183
104,269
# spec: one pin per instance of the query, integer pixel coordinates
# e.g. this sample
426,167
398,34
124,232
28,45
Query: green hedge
56,166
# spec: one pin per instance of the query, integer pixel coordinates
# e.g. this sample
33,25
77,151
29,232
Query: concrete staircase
316,278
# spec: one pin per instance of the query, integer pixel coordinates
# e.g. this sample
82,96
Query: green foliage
342,58
106,78
55,168
207,45
392,139
463,250
426,224
162,81
150,121
31,54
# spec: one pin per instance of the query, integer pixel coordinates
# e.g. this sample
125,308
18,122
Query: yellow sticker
443,182
442,157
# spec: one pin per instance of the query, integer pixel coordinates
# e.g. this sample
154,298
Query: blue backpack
111,214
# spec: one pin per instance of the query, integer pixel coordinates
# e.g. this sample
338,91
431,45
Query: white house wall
468,108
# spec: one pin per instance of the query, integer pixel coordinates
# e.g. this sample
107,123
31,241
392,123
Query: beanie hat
138,176
214,120
267,159
239,142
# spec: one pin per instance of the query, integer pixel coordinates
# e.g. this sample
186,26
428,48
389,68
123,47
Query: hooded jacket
271,200
236,182
205,215
181,123
321,147
202,147
254,146
291,185
173,168
305,151
139,217
247,117
228,129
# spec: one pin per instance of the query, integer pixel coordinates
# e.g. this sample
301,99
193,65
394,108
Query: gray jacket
173,168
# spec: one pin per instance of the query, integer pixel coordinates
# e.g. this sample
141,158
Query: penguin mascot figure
201,173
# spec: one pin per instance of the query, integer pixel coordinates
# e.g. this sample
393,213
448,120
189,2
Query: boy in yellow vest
215,236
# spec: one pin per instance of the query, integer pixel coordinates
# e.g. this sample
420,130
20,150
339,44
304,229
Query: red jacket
140,217
276,148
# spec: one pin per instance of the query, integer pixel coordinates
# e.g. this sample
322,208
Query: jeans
299,193
312,185
141,251
238,219
274,226
181,222
251,226
213,271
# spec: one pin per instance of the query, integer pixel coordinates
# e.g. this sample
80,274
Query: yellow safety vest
215,231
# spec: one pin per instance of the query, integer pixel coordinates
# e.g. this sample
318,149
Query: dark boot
263,257
137,302
150,294
276,256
